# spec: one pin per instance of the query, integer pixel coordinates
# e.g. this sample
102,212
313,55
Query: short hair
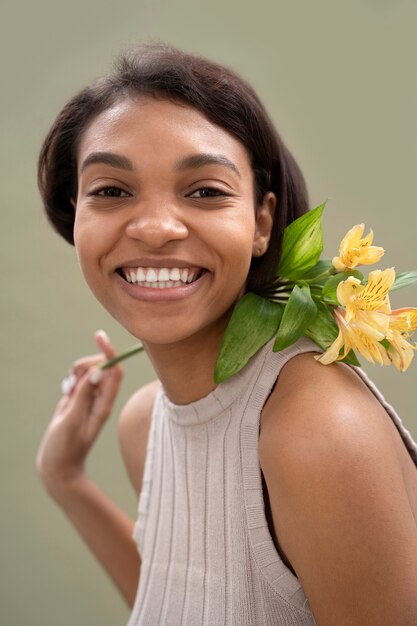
225,98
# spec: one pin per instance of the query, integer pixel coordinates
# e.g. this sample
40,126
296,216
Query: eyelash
218,192
100,194
103,191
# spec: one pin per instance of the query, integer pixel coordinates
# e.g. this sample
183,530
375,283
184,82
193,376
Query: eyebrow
193,161
198,160
108,158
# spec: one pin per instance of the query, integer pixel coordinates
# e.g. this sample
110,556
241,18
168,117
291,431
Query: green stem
279,300
123,355
322,275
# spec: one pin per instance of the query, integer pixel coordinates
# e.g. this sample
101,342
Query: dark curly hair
216,91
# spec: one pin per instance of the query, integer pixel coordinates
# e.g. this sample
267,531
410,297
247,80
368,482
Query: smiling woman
258,504
184,200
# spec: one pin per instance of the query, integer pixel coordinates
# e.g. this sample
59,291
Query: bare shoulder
311,399
133,431
330,456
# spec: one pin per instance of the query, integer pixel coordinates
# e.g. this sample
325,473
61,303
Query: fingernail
95,376
103,334
68,383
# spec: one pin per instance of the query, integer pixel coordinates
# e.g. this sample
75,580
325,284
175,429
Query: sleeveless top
208,558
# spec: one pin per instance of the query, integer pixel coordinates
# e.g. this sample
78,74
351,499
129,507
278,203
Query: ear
263,224
73,202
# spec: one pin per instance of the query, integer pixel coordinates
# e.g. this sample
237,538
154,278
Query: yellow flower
367,320
358,335
355,251
402,323
373,296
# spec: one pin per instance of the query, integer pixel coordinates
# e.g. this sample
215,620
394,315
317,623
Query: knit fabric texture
208,558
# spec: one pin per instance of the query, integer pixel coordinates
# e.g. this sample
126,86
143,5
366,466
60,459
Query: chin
159,336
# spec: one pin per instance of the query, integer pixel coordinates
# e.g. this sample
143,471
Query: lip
167,262
150,294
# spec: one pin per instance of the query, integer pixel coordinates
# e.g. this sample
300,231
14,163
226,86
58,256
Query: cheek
233,243
235,239
84,244
89,241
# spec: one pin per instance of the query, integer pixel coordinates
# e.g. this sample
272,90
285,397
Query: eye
109,192
208,192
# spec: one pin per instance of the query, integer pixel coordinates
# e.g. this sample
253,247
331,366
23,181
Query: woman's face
165,223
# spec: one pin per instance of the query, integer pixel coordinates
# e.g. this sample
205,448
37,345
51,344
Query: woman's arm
61,461
106,530
333,464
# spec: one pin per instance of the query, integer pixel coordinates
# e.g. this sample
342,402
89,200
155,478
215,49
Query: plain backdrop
337,77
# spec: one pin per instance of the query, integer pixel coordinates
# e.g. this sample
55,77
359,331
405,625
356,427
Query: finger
105,344
107,389
81,365
67,384
80,401
92,400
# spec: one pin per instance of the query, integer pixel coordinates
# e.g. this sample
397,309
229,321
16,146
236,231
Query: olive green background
338,77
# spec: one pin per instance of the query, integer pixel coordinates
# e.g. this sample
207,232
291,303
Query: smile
161,277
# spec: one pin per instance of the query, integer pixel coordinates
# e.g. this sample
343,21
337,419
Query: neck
186,368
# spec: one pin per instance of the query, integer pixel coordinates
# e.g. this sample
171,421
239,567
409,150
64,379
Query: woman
286,495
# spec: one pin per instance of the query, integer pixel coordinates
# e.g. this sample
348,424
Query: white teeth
151,276
161,278
174,274
163,274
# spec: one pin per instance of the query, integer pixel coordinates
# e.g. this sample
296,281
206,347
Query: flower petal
400,351
375,293
404,320
370,255
372,323
355,250
348,290
332,353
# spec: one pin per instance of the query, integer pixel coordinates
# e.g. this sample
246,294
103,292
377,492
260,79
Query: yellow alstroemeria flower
358,298
365,320
358,336
356,251
402,323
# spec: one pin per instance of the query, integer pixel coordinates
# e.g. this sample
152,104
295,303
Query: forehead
147,127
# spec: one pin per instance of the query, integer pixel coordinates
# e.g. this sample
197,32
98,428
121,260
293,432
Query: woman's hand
78,417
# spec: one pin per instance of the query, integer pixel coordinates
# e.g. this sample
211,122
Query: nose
156,225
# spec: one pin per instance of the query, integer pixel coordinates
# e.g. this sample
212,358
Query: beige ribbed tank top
208,558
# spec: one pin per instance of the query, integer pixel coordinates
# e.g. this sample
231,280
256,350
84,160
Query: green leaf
298,314
404,279
351,359
302,244
254,321
330,287
323,329
324,265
